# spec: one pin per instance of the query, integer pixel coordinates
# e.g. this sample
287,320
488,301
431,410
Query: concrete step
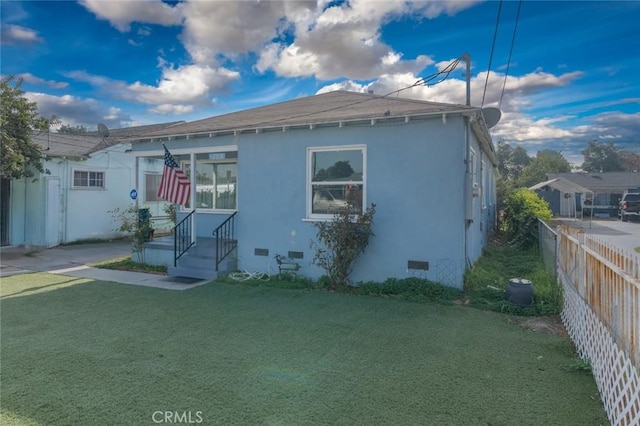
192,272
191,266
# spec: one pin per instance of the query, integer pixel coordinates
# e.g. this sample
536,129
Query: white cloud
178,90
172,109
344,41
235,27
78,111
30,78
121,14
16,34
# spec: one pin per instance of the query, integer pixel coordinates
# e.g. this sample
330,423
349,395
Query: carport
568,191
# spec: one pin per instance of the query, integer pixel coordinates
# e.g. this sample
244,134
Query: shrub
521,214
136,225
344,239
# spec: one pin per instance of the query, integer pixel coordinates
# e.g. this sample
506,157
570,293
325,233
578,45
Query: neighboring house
429,168
88,176
584,192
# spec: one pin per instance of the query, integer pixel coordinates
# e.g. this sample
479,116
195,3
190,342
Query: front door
5,210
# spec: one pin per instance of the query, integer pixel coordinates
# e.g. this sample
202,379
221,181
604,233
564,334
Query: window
85,179
216,180
472,164
151,185
336,180
485,184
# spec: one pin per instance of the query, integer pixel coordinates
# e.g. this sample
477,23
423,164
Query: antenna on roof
104,132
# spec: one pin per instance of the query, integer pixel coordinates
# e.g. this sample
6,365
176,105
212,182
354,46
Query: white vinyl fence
601,312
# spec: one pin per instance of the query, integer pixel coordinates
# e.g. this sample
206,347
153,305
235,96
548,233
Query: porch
188,255
197,262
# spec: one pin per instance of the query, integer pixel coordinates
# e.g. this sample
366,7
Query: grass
126,264
485,283
91,241
76,351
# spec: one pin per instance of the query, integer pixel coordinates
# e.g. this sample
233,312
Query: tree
340,169
511,161
19,117
72,130
630,161
600,157
523,209
546,161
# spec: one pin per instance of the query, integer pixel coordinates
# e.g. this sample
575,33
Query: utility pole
465,57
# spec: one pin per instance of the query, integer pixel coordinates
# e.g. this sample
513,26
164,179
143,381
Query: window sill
317,219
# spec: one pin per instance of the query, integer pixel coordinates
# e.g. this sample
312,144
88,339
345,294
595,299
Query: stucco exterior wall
79,213
87,210
415,175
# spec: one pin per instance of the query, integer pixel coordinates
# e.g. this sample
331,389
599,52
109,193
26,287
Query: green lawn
82,352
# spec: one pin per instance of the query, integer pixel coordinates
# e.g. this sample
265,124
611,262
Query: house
266,174
88,176
572,194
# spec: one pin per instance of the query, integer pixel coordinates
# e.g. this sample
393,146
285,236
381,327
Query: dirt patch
547,324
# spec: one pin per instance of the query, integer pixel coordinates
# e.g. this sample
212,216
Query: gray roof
602,182
328,107
129,132
83,144
67,145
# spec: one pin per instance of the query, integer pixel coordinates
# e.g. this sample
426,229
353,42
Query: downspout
467,147
467,188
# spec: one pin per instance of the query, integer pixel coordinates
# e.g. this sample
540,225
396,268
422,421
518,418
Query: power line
420,82
513,39
493,45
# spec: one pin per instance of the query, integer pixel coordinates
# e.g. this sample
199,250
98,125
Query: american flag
174,186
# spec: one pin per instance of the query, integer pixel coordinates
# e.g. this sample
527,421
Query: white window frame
89,187
309,184
185,209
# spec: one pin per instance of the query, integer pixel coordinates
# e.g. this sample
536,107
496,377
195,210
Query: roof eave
481,131
308,124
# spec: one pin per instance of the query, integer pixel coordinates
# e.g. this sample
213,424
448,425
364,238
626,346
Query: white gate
52,220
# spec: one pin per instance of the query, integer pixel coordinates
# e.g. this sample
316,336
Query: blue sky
573,74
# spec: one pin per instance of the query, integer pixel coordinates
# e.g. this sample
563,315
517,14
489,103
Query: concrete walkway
75,261
625,235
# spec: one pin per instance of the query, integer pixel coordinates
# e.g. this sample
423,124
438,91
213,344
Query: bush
344,239
521,214
135,224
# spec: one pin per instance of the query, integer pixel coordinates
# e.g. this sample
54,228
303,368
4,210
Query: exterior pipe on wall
468,202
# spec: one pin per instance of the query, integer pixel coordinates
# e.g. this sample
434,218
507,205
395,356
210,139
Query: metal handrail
182,240
225,240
